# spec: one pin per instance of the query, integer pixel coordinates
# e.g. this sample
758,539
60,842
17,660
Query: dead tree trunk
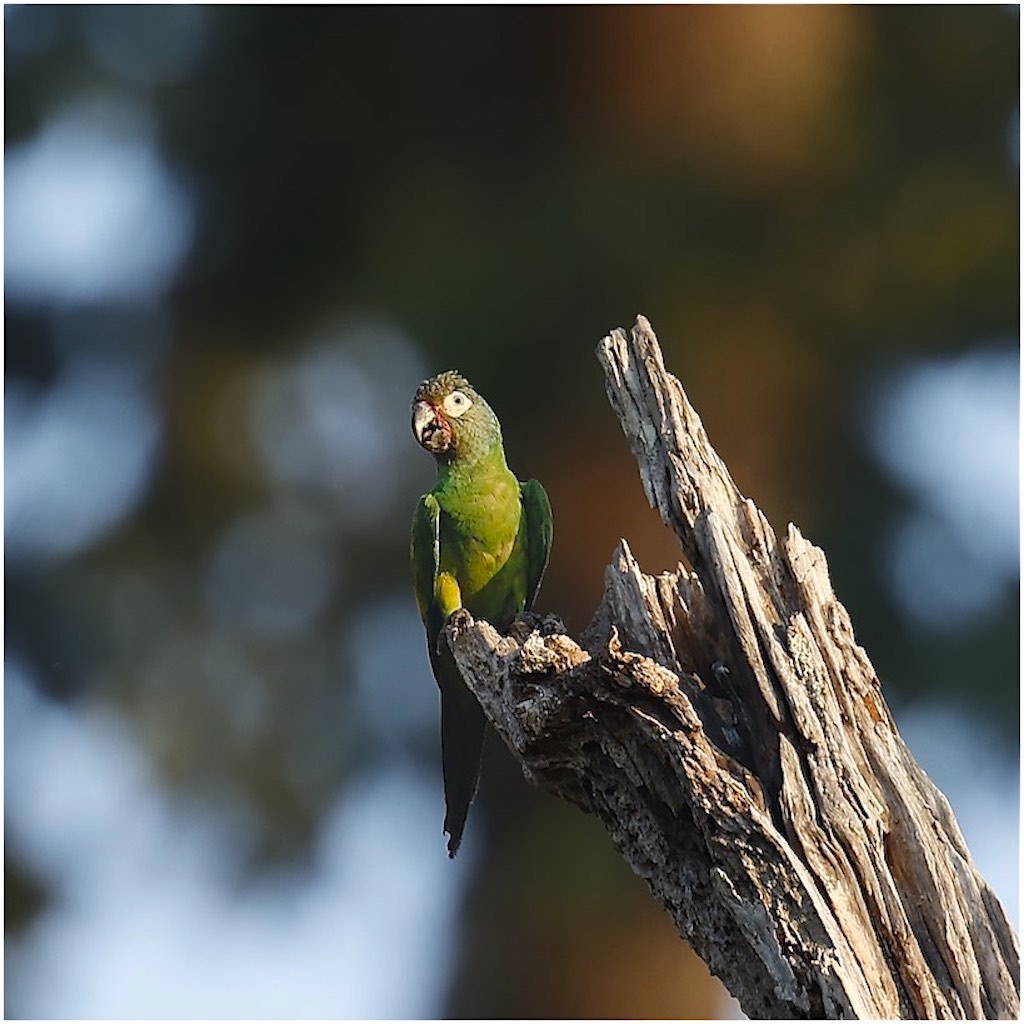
726,728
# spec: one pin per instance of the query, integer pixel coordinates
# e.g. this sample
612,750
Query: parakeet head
451,420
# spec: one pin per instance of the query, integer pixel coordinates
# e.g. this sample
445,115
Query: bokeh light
78,459
947,431
91,212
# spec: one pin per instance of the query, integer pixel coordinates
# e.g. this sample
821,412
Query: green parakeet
480,541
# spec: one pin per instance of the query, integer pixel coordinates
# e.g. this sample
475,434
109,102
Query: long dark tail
462,739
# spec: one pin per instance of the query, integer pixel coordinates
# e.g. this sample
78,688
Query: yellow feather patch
447,593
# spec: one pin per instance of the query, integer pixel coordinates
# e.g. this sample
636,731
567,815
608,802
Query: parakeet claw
530,622
459,619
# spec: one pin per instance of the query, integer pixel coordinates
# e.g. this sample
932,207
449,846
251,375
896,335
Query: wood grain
726,728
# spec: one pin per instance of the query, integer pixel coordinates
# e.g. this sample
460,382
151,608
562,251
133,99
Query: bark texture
731,735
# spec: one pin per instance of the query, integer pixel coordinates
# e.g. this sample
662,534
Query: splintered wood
726,728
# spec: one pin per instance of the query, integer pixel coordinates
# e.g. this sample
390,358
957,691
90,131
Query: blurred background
237,238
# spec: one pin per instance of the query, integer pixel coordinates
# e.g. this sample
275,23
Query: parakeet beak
431,430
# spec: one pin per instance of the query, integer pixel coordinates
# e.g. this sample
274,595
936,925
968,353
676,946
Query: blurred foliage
798,197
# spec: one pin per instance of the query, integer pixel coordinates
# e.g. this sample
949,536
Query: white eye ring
456,404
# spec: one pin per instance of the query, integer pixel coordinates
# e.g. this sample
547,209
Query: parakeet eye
456,404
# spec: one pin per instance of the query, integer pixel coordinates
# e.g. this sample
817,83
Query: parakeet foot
459,620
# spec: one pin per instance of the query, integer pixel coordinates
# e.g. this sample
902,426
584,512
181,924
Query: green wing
539,527
426,556
462,720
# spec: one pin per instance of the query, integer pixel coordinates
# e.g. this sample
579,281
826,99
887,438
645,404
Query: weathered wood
726,728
